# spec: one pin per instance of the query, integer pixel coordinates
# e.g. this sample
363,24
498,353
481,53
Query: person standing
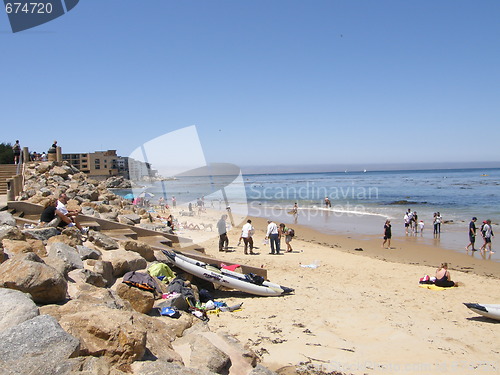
247,233
472,234
16,150
439,220
488,233
223,239
328,204
273,235
387,234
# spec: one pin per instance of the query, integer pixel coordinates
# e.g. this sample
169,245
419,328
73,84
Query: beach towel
432,287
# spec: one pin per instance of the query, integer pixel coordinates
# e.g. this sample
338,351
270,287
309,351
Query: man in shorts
472,234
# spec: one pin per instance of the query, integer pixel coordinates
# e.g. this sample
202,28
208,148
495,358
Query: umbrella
129,196
146,194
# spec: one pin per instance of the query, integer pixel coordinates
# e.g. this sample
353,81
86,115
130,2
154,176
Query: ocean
360,201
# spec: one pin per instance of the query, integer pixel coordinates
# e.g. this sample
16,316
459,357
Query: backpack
291,232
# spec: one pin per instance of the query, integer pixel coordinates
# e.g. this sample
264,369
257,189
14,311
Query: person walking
223,239
247,233
472,234
488,233
387,234
273,235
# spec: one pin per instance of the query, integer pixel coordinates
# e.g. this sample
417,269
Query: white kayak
226,278
490,311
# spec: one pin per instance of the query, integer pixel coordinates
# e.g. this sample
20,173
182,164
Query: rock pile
64,309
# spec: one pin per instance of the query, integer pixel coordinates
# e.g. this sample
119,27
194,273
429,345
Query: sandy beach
362,311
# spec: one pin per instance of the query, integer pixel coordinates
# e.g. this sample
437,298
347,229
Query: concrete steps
6,171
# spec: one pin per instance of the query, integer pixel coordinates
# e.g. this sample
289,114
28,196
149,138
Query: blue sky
279,82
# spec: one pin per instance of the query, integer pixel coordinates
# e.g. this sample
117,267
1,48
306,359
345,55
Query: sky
280,82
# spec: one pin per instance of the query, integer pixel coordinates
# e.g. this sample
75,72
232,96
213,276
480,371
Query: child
421,227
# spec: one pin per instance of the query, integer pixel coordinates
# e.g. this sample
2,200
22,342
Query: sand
362,311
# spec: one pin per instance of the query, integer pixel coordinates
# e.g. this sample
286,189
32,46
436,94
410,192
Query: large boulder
13,247
15,308
199,352
42,234
88,253
163,367
11,233
101,240
124,261
67,253
141,300
107,332
36,347
142,248
130,219
6,218
29,274
105,269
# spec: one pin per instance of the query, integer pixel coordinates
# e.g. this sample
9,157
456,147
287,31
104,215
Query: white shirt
62,207
272,228
247,230
487,231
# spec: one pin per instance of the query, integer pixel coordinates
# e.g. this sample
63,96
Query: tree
6,153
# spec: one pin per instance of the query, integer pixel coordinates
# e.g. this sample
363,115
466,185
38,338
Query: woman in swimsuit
443,278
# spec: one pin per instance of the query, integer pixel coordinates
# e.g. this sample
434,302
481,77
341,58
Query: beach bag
426,280
291,232
254,279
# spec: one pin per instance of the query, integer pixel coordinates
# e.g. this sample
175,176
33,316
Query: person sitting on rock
71,214
52,217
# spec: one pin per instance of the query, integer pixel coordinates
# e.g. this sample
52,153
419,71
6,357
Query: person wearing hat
488,233
472,234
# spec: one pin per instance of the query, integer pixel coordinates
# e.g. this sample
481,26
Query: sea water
360,201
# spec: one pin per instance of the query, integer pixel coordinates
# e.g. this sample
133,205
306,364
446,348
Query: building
99,163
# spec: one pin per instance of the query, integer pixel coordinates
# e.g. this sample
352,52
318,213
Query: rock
11,233
102,241
88,253
89,194
16,246
29,274
117,182
44,167
6,218
87,276
70,241
162,368
59,171
38,247
142,248
88,211
67,253
111,216
15,308
105,269
36,347
261,370
129,218
42,234
2,255
141,300
107,332
198,352
124,261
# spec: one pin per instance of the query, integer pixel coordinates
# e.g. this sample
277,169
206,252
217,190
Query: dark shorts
487,239
407,224
387,237
472,239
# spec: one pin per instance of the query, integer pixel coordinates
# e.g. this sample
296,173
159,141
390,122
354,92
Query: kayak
490,311
227,278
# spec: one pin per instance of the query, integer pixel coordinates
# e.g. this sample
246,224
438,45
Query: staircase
6,171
